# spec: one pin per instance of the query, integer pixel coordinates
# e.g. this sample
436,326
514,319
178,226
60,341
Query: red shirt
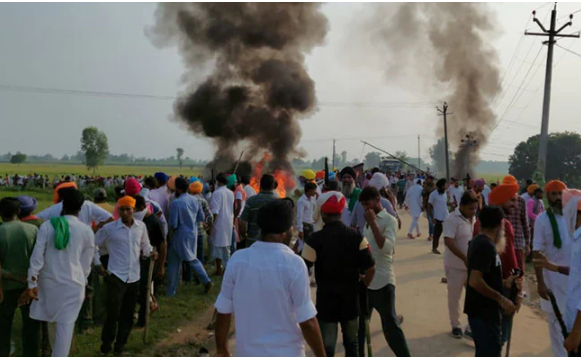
508,258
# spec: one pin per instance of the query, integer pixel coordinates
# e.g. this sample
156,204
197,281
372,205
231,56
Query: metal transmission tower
551,33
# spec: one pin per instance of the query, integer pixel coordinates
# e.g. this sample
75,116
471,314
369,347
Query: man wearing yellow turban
552,238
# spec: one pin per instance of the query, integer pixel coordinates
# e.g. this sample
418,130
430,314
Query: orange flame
285,180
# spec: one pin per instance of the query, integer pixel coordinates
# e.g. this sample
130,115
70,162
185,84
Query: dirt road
422,299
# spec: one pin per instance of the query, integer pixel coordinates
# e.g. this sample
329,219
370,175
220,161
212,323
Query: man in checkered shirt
522,235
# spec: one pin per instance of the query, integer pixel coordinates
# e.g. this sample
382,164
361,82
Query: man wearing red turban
339,253
552,238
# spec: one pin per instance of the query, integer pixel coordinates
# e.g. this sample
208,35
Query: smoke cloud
258,87
445,47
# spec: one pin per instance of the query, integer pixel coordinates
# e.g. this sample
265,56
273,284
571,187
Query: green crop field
107,170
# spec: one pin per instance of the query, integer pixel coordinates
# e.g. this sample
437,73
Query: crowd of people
81,261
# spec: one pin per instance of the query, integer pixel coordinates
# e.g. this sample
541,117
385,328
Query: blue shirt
185,212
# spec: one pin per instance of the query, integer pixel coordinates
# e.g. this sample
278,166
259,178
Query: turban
171,183
320,175
55,197
331,175
348,171
308,174
555,186
126,201
479,183
332,202
206,188
502,194
571,205
531,189
231,181
27,205
510,180
379,181
161,177
196,187
132,187
276,216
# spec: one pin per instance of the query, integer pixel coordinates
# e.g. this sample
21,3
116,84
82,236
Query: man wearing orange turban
125,239
56,197
517,216
552,238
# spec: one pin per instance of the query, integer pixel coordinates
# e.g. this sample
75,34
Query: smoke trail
442,45
259,86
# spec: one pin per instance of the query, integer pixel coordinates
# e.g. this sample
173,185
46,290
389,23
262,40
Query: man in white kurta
222,207
558,253
413,202
60,275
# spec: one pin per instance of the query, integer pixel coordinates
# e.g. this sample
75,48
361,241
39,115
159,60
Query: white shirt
460,229
543,242
346,214
238,196
383,257
266,287
440,204
305,209
249,191
61,275
525,196
574,288
89,213
413,200
124,244
222,204
161,196
455,193
486,192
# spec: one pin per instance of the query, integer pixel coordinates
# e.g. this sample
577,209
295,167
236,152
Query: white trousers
415,225
456,281
60,337
557,339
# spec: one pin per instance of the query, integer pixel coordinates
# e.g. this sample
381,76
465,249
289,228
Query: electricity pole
333,162
551,33
444,112
419,162
469,142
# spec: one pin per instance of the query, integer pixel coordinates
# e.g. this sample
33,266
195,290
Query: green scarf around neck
555,227
353,198
61,232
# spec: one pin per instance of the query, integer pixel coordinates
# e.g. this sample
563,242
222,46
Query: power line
100,94
517,92
568,50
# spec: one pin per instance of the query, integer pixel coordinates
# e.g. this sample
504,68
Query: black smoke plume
258,87
444,47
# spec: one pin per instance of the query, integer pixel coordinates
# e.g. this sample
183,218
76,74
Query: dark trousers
438,229
400,199
330,330
200,248
383,300
121,301
487,337
30,327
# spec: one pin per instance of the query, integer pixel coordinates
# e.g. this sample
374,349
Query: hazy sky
102,48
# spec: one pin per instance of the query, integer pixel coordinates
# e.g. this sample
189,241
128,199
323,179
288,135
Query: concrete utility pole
419,160
333,161
444,112
551,33
469,142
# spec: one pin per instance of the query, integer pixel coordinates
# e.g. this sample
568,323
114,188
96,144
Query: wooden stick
147,296
238,163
